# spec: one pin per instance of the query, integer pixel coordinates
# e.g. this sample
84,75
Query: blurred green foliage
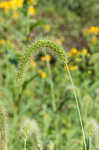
74,25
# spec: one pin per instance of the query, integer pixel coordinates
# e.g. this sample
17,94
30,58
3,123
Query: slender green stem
52,85
28,25
78,107
25,140
24,86
90,143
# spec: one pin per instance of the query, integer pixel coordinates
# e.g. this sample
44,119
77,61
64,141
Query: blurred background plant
75,26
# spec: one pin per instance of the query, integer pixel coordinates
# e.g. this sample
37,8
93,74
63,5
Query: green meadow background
42,112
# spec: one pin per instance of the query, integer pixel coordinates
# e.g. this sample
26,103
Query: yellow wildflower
10,43
6,7
43,75
32,11
86,31
88,54
70,54
47,27
15,15
2,42
3,4
84,51
19,3
59,42
43,58
74,50
94,30
13,5
33,64
73,68
48,57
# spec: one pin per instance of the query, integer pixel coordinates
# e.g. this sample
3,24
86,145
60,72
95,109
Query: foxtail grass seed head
51,145
92,127
92,131
33,49
29,128
3,128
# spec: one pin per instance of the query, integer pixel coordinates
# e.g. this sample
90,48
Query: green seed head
34,48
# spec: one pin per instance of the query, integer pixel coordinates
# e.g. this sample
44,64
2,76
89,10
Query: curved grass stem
78,107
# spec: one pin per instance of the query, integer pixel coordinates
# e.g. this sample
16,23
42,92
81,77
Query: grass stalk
78,107
3,128
51,85
62,55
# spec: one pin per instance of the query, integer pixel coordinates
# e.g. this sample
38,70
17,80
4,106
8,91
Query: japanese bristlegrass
59,51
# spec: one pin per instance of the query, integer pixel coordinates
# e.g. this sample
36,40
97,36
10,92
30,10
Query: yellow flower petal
32,11
84,51
73,68
33,64
47,27
48,57
43,58
74,50
59,42
15,15
43,75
